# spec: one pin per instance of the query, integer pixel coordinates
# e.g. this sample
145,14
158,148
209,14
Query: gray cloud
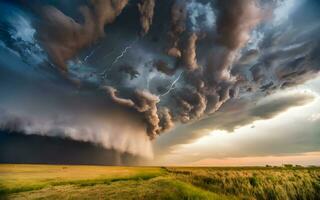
64,45
177,74
232,116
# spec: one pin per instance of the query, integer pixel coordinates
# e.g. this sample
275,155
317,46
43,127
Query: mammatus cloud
146,9
178,26
189,56
212,85
231,117
180,72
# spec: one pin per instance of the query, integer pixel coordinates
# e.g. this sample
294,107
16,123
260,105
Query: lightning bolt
123,53
89,55
172,86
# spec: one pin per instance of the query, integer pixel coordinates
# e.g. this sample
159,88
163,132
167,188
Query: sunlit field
100,182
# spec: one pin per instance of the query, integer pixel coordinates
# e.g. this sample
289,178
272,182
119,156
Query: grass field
99,182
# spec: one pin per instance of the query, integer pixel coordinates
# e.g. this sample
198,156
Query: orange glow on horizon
311,158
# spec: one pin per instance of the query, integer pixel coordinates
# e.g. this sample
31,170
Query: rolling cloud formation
120,73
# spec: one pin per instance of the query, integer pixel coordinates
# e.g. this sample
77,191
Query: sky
148,82
290,136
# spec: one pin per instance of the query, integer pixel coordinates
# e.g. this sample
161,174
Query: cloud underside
156,64
232,117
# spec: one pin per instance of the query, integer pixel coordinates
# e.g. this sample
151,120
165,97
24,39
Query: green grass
100,182
157,188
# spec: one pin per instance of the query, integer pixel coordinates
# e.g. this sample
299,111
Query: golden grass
100,182
14,178
257,183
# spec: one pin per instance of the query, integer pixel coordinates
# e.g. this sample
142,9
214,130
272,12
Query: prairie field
104,182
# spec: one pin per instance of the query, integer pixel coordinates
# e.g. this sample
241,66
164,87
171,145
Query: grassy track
99,182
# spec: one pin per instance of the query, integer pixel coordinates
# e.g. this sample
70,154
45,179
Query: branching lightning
123,53
172,86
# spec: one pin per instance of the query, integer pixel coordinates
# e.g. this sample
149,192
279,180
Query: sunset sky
154,82
290,135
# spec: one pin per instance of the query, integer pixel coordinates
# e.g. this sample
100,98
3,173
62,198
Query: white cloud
200,15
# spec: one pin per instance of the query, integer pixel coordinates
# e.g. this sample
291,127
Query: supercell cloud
119,73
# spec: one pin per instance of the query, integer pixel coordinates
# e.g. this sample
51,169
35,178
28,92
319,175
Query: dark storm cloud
63,37
210,87
41,105
286,64
179,71
19,148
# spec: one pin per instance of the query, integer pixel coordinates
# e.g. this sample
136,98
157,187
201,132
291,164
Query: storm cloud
120,73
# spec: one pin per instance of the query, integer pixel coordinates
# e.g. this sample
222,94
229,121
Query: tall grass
302,184
87,182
